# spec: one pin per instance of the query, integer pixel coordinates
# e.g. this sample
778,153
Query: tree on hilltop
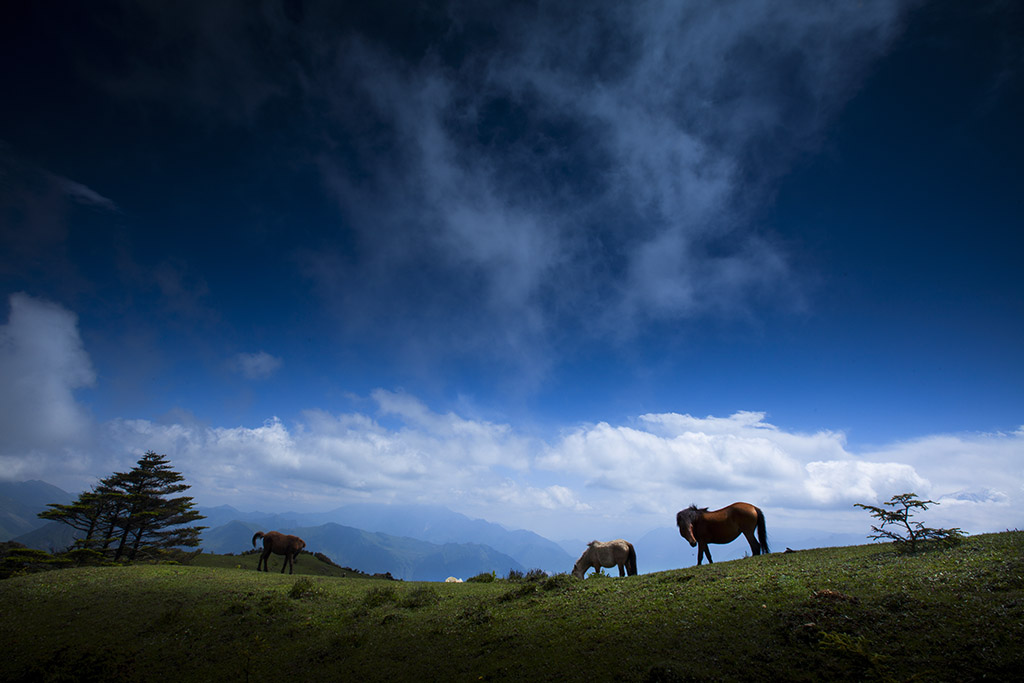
907,534
130,512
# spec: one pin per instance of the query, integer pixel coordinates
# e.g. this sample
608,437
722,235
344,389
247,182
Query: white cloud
259,365
638,473
42,364
591,477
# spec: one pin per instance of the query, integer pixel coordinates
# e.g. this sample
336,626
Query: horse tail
631,561
258,534
762,533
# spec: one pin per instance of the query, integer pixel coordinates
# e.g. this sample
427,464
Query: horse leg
287,561
622,571
263,560
754,547
702,550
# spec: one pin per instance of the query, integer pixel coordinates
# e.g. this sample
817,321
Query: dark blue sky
523,217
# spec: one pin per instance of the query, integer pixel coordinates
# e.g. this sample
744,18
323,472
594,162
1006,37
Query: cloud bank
576,481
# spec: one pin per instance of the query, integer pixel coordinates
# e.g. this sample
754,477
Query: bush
17,559
482,578
557,582
375,597
521,591
423,596
85,557
302,588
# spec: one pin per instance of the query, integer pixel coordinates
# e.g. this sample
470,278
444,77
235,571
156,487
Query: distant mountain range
21,502
412,542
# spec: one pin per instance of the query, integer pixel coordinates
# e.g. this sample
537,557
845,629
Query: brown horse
598,554
279,544
700,527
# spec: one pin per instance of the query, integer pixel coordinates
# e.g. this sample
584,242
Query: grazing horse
279,544
698,526
598,554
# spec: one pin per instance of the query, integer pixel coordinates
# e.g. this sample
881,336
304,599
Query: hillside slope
856,613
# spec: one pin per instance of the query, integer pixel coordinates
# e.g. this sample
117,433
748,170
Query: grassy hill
306,565
860,612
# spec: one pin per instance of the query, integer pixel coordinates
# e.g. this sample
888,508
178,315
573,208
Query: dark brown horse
279,544
700,527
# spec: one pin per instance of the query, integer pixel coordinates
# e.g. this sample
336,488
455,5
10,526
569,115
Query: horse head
579,569
685,519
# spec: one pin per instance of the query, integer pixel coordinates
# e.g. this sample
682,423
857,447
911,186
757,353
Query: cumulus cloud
426,457
259,365
664,461
42,364
642,470
635,474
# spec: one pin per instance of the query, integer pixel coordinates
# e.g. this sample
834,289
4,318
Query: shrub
521,591
482,578
557,582
17,559
375,597
302,588
423,596
536,575
85,557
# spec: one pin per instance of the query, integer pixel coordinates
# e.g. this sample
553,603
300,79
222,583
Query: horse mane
691,513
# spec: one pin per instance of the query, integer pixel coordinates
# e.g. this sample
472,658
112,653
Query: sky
566,267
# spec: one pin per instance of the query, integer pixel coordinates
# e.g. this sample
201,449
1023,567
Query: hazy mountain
373,552
21,502
438,524
433,523
53,537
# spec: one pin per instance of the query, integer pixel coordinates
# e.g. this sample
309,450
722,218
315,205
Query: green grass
857,613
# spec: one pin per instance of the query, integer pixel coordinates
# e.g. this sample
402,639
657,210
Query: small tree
903,532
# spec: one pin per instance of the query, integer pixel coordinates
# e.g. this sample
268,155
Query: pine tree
154,521
85,514
132,511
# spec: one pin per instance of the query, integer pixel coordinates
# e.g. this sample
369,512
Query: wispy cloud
82,194
259,365
526,169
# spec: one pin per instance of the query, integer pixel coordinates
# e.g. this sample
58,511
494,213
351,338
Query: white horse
599,554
